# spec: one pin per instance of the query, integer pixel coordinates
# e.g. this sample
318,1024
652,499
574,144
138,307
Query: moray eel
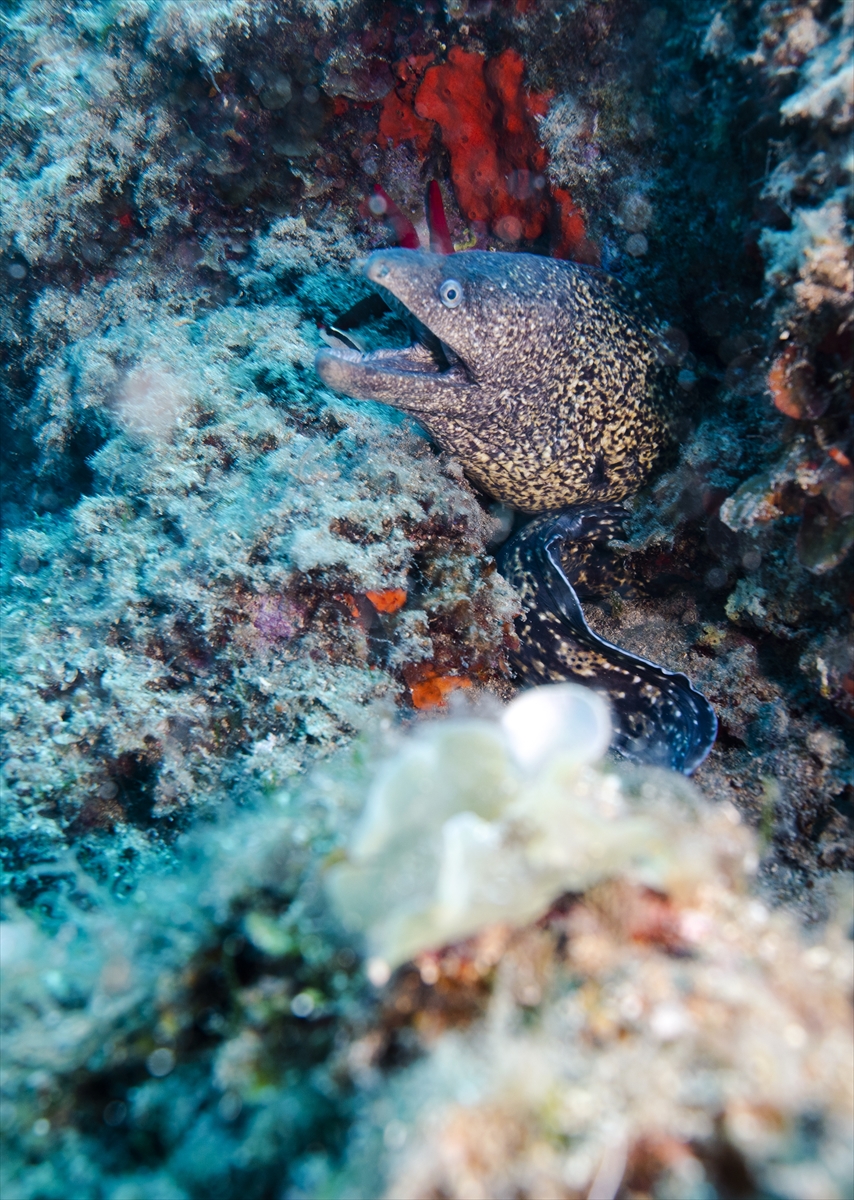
539,376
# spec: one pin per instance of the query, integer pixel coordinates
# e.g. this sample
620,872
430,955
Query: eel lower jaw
379,374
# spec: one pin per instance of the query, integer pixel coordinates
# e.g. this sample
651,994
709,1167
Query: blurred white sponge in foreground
475,822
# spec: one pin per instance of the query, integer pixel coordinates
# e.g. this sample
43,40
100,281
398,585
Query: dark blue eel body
540,377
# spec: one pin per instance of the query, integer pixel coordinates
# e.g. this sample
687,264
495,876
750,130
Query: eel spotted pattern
539,376
554,562
529,370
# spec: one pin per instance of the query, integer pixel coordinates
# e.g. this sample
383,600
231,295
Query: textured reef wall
220,605
228,595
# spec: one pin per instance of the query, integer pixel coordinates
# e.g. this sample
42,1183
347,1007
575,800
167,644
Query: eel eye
451,293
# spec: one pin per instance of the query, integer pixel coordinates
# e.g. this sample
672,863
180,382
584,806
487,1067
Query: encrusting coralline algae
231,598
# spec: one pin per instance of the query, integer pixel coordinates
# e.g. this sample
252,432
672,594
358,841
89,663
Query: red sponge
486,118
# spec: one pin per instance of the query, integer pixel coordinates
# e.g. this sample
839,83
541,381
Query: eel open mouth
402,375
407,376
387,373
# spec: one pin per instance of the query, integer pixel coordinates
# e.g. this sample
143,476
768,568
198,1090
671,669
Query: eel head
529,370
472,311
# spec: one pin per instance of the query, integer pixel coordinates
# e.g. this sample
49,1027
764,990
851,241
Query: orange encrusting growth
432,691
398,119
778,383
487,121
569,233
349,602
839,457
791,384
388,601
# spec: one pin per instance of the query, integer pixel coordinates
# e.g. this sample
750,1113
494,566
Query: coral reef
639,1071
236,609
809,273
657,1031
241,534
743,547
206,538
181,1044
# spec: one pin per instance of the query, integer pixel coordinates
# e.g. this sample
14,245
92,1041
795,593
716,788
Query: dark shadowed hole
136,776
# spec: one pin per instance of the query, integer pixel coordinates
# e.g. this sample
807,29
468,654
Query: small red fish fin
382,205
437,222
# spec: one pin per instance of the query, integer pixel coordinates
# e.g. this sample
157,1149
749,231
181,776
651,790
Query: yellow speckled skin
549,391
555,396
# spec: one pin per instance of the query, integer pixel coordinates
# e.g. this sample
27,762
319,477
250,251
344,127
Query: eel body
541,379
556,559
